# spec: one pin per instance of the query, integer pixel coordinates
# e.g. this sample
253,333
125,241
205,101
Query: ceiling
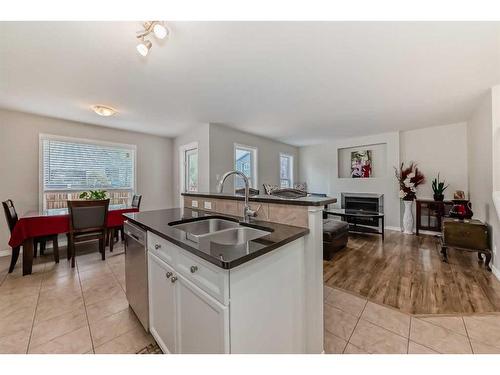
298,82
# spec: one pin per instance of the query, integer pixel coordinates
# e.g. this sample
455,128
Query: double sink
221,231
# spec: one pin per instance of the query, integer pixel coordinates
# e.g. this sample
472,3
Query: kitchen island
217,285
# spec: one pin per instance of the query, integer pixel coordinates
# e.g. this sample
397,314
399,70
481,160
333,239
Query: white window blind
74,165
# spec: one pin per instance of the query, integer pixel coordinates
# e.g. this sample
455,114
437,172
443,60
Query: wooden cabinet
183,318
202,322
162,312
430,214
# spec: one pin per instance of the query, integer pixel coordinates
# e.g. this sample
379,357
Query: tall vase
408,218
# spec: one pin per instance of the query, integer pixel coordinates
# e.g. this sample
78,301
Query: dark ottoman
335,236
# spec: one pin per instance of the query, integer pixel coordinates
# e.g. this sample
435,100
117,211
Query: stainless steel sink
234,236
201,227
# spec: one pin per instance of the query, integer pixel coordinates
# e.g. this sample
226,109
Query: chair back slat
136,201
88,215
10,214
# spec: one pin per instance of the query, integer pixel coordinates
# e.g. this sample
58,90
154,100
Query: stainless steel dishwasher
136,272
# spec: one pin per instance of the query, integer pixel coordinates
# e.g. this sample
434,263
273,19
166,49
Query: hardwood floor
406,272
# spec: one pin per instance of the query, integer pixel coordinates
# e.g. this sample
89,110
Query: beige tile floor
354,325
84,310
62,310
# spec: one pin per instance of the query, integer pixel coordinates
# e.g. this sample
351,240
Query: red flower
415,178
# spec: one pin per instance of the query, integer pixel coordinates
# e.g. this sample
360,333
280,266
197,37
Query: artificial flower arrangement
409,178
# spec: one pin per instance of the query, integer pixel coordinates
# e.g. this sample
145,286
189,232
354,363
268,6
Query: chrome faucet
247,212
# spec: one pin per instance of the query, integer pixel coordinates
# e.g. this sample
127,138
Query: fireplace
370,202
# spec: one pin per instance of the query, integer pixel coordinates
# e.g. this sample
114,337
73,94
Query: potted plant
438,188
93,195
408,178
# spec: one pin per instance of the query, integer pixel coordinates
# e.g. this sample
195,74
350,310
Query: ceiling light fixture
143,47
103,110
157,28
160,31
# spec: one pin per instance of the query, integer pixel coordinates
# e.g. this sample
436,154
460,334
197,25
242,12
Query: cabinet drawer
210,278
162,248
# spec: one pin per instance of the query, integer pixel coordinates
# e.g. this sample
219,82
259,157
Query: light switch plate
194,203
208,205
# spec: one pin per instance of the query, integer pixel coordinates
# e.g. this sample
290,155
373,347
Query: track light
143,47
160,31
157,28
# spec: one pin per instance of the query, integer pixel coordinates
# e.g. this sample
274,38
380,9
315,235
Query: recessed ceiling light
143,47
103,110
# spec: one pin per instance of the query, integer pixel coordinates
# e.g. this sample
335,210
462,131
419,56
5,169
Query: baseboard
397,229
62,240
429,232
495,272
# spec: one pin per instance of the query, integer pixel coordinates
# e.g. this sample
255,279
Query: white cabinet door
202,322
162,300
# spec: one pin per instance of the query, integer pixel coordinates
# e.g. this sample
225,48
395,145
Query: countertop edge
294,202
222,264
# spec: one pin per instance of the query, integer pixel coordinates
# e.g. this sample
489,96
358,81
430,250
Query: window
245,161
191,169
70,166
286,171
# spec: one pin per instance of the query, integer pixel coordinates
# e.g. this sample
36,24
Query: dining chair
12,218
136,201
116,233
87,221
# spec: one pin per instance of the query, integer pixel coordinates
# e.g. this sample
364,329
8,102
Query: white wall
19,160
199,134
378,162
494,221
436,149
483,145
222,140
319,168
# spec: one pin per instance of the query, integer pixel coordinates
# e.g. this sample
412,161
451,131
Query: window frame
41,176
183,165
254,155
290,168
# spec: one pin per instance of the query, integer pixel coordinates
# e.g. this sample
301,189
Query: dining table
53,221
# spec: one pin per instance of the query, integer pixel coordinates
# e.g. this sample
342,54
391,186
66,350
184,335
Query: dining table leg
27,256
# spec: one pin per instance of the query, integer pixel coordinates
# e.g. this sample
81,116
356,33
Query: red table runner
37,226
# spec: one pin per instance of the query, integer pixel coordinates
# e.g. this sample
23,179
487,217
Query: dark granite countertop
224,256
311,200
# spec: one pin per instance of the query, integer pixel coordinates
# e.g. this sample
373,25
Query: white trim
182,164
255,170
44,136
495,271
397,229
290,166
88,141
5,253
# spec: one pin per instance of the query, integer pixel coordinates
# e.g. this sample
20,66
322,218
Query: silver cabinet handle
173,279
157,246
168,274
194,269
